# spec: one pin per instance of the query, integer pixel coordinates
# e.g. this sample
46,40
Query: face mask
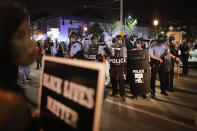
22,51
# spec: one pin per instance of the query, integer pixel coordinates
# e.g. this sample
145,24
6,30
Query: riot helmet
132,38
113,40
94,38
73,36
160,39
118,38
171,39
102,37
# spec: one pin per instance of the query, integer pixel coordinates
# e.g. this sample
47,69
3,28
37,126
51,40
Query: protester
16,49
59,50
38,49
47,46
25,72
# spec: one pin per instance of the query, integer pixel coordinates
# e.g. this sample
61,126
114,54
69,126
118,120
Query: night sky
145,10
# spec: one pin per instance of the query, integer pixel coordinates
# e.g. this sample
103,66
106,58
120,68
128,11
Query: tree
129,25
111,28
95,28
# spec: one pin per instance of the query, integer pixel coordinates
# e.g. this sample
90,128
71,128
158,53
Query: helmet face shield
160,39
94,38
73,36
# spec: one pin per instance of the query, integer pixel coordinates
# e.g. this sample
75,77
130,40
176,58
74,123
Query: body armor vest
117,62
92,53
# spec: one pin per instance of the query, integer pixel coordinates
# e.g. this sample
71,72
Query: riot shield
139,71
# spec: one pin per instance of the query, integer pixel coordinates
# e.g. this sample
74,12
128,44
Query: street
176,112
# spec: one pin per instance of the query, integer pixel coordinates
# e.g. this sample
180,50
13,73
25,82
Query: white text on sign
72,91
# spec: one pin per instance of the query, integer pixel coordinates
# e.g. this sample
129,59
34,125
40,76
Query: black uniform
91,52
117,63
129,45
174,52
184,57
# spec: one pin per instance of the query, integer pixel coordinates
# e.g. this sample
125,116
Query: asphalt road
176,112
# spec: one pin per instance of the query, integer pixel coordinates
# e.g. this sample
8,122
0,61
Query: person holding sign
16,49
117,63
75,47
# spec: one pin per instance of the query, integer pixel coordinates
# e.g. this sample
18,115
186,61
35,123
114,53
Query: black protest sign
71,94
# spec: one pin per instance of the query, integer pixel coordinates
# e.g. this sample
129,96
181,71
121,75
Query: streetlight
85,28
155,23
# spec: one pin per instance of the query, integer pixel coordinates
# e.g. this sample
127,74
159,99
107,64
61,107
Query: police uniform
184,57
174,52
75,47
90,50
117,61
158,50
103,51
129,42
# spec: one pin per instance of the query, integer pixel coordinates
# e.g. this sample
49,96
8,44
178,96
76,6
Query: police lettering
72,91
138,71
90,57
117,61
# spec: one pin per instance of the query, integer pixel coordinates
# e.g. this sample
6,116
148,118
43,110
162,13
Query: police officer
103,49
185,48
90,50
75,47
174,52
132,41
156,51
117,63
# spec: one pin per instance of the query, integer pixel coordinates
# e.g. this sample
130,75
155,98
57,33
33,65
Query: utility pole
121,17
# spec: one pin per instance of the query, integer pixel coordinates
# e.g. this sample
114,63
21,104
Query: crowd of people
163,54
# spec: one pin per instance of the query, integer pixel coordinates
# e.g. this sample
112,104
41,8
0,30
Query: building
59,27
